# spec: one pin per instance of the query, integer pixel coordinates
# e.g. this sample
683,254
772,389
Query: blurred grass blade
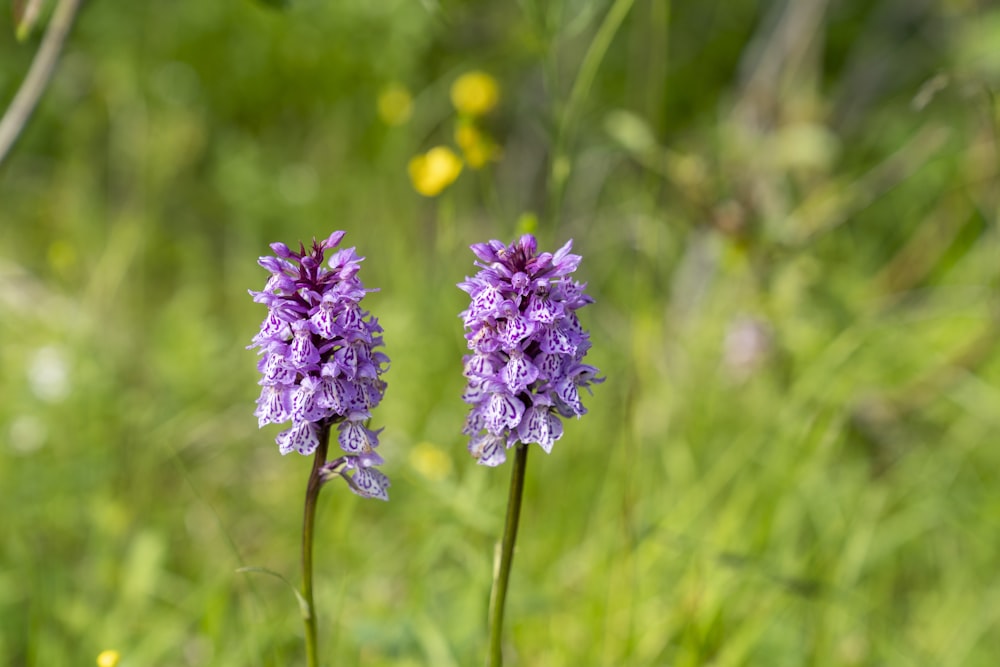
303,605
25,13
631,131
276,4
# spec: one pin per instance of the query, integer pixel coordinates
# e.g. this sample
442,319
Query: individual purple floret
319,366
527,345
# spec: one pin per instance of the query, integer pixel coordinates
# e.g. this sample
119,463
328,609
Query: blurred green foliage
788,217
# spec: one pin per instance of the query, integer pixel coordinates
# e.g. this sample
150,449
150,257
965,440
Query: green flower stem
502,574
308,521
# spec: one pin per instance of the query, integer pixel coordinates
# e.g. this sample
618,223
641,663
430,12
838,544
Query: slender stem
39,74
308,521
502,573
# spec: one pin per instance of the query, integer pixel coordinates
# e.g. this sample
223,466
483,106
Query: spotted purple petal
370,483
555,341
513,330
503,412
274,405
488,449
306,406
540,426
303,349
519,373
300,438
353,437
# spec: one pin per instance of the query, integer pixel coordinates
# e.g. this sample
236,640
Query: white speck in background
27,434
48,375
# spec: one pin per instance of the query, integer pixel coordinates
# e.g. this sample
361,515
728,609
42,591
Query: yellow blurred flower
108,658
477,148
435,170
475,93
430,461
395,104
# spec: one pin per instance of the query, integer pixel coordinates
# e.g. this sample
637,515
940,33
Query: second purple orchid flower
526,365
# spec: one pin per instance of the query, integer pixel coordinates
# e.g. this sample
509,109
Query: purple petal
333,240
513,330
345,263
484,341
347,360
306,405
550,366
301,438
519,373
370,483
323,319
303,351
474,393
372,392
567,392
274,327
276,370
353,438
503,411
479,365
555,341
540,426
273,406
541,309
350,318
527,244
563,262
520,282
331,395
488,449
487,252
475,422
487,301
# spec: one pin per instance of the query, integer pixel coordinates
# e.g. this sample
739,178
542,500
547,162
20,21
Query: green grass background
824,171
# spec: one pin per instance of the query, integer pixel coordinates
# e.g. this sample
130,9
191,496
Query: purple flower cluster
527,347
318,364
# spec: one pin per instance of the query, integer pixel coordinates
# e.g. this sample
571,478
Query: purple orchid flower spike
319,361
524,372
525,369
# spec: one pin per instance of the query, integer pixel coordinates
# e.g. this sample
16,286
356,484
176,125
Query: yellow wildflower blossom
435,170
430,461
477,148
108,658
395,104
475,93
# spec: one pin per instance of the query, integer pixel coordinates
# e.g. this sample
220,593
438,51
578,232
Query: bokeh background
788,213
